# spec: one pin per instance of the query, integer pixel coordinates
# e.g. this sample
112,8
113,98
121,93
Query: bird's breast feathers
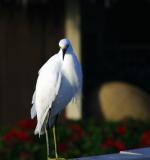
71,70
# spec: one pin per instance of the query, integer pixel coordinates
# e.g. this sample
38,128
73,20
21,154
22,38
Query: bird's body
59,81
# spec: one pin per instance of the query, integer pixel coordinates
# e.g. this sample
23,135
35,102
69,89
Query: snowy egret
59,81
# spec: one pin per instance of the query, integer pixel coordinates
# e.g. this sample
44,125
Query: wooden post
73,33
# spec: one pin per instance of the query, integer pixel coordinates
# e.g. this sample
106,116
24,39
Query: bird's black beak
64,51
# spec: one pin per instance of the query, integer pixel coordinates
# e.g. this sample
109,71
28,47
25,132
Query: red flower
14,135
117,144
74,138
22,136
27,124
108,143
78,133
9,136
24,155
121,130
75,127
62,147
145,139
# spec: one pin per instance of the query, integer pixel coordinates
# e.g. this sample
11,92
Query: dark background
115,46
29,35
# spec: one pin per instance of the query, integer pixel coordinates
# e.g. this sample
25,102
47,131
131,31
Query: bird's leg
47,142
55,143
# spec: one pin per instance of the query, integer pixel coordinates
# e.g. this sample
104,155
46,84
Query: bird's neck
69,50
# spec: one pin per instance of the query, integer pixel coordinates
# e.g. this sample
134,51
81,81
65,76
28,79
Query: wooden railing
135,154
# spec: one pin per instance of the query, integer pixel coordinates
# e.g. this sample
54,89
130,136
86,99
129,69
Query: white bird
59,81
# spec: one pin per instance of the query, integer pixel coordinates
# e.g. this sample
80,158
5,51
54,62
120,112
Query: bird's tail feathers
37,130
40,131
33,111
40,128
77,100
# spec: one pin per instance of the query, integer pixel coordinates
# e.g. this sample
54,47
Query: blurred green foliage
74,138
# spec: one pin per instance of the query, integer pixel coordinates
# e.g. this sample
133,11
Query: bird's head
64,44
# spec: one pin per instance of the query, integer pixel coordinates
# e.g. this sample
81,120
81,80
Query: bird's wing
47,87
33,110
33,98
78,78
71,84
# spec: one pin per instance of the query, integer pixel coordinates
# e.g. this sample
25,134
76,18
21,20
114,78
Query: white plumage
59,81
